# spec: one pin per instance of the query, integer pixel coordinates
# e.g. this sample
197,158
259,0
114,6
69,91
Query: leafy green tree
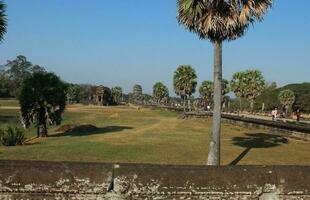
4,84
17,71
160,92
117,94
287,99
42,101
254,83
219,21
184,82
137,93
3,20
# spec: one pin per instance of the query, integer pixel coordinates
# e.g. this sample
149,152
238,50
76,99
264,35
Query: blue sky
139,41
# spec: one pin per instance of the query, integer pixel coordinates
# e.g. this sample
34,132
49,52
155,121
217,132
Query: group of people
274,114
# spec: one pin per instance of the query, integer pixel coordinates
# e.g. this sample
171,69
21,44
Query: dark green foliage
270,97
42,101
12,136
3,20
302,94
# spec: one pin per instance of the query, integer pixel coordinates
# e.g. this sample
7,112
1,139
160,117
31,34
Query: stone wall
72,180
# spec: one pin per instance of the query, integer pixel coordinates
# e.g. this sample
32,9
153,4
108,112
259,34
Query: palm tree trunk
188,103
240,104
252,106
38,131
214,147
184,102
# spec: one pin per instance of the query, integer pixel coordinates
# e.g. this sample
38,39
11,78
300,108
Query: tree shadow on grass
8,118
256,140
86,130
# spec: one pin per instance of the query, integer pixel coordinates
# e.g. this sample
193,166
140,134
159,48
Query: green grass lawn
129,135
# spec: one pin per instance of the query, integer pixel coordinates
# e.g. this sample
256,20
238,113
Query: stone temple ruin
101,96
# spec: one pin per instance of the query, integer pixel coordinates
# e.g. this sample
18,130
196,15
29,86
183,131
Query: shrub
12,136
1,136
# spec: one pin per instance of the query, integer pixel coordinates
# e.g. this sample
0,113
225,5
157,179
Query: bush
12,136
1,136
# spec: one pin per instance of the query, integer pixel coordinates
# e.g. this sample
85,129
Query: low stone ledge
54,177
202,182
74,180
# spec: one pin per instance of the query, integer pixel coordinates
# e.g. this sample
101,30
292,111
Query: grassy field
129,135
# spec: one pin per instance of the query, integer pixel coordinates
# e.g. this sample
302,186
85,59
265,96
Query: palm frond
3,20
220,19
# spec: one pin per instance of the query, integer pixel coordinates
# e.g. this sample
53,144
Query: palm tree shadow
86,130
8,118
256,140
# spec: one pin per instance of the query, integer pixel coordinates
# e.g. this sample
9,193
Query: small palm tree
160,91
42,101
185,82
287,99
219,21
3,20
206,91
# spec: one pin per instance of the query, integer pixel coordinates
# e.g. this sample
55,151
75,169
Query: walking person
298,116
275,113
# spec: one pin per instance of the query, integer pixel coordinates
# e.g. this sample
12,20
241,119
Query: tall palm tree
218,21
184,82
254,85
3,21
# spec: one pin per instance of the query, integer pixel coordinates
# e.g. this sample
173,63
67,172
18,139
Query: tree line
249,87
